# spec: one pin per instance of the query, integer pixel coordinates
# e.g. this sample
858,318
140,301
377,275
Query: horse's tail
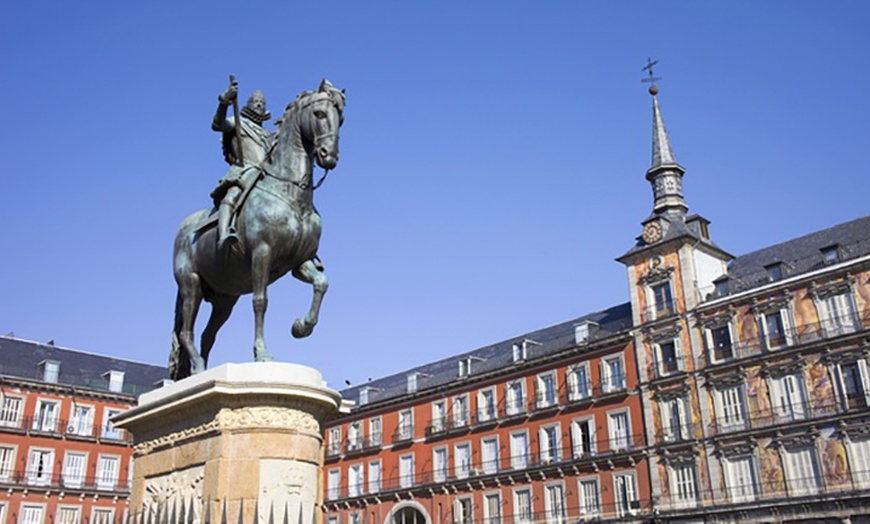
179,360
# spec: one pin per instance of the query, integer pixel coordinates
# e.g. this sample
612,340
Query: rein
301,185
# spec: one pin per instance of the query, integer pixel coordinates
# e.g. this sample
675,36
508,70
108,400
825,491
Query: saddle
211,219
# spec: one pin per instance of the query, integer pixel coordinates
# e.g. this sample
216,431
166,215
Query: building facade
726,389
61,460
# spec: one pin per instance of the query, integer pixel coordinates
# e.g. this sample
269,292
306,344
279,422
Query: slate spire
665,174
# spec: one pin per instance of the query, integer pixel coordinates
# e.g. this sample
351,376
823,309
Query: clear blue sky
492,166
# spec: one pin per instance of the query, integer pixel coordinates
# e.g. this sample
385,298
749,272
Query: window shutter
839,385
683,430
865,379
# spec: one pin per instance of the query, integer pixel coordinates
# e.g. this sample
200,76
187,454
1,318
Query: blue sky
493,157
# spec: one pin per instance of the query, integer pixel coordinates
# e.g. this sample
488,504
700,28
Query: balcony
65,429
806,333
669,365
758,419
446,426
66,481
403,435
667,308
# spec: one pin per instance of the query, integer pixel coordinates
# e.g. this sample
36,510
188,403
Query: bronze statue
277,228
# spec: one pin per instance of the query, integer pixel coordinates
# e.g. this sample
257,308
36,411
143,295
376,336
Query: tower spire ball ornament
651,79
276,229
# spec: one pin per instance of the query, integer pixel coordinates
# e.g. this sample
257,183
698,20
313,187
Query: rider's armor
255,145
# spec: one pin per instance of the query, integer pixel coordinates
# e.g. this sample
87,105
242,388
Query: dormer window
583,331
831,255
464,367
412,383
774,272
50,371
363,396
116,380
520,352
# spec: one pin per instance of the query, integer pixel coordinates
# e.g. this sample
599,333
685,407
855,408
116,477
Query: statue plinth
241,442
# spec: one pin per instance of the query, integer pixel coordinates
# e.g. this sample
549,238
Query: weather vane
651,79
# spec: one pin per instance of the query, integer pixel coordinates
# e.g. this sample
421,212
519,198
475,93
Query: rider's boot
226,234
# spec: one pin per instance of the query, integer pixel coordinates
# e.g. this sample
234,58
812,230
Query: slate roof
800,255
550,340
22,358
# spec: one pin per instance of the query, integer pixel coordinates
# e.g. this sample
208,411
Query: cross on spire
651,79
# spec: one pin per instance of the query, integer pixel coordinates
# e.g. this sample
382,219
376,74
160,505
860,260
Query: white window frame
547,389
524,510
684,484
74,511
618,442
660,358
40,474
75,466
671,409
45,419
859,461
788,397
440,464
489,465
488,517
376,431
439,415
838,314
863,378
8,453
332,519
81,422
107,479
520,455
625,493
375,473
30,513
802,470
736,469
3,512
355,435
784,314
406,470
333,484
108,431
356,479
11,411
513,405
711,341
554,503
577,389
461,410
406,424
462,460
589,506
334,447
550,443
463,510
609,383
577,436
102,515
730,407
487,408
652,307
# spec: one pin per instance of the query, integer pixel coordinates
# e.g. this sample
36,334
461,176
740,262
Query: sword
237,124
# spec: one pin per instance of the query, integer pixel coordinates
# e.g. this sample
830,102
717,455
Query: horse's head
319,119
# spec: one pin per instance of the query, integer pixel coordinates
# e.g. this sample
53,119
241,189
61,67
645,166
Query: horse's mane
326,90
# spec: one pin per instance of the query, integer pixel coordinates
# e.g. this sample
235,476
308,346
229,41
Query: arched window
408,515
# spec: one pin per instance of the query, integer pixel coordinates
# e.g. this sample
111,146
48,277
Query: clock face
652,232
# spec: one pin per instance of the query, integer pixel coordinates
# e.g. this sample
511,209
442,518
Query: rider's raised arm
220,122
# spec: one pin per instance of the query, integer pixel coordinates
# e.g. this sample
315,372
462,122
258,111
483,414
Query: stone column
240,443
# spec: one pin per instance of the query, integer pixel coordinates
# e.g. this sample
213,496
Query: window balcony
403,435
64,481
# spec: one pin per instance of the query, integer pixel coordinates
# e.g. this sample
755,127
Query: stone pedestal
240,443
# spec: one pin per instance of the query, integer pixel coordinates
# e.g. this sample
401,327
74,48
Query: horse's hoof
301,329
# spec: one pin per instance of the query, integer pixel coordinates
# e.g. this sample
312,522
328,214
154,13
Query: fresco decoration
757,398
747,328
819,387
834,462
772,477
664,486
862,298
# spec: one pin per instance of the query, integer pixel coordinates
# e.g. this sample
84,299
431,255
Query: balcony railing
403,434
756,419
28,480
506,464
66,429
792,337
654,312
670,366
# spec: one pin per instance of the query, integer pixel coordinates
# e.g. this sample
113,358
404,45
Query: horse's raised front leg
261,263
311,273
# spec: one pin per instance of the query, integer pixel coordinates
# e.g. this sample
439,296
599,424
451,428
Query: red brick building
61,461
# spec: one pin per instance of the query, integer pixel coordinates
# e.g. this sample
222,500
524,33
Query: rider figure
253,141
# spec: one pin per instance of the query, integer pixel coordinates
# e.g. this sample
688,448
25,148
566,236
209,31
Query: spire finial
651,79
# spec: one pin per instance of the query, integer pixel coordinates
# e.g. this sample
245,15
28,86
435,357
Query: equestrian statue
263,223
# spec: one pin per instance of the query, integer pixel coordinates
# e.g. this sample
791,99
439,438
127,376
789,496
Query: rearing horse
279,232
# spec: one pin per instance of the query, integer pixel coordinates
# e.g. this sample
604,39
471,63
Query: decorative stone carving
771,304
267,416
287,486
147,446
824,291
171,491
656,274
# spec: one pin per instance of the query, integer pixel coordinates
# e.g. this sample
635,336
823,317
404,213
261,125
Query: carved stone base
240,443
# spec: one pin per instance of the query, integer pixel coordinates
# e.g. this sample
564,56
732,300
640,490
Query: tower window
774,272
